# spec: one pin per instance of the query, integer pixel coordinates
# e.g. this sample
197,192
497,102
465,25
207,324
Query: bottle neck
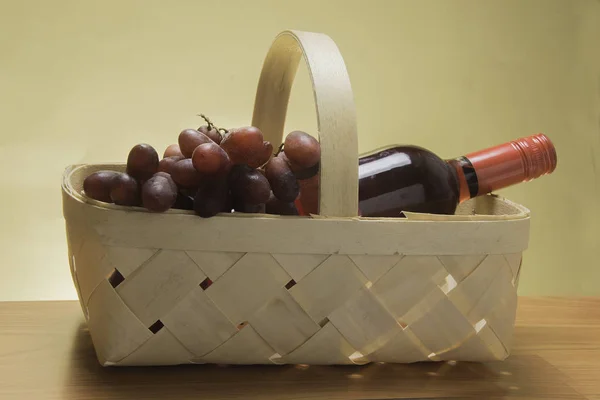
505,165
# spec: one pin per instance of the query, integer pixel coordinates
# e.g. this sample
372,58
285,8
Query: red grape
248,185
191,192
189,139
142,162
169,178
125,190
213,133
97,185
240,206
158,194
228,203
309,195
299,172
247,146
185,175
172,151
166,164
287,160
210,197
278,207
302,149
267,152
282,180
210,159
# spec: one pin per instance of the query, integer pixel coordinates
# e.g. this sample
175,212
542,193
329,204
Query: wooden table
46,353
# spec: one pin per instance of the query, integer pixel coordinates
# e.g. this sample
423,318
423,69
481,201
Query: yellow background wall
83,81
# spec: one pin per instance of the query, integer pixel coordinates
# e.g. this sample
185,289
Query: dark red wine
406,178
414,179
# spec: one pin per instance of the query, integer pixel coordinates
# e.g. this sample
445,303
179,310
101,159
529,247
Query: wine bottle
410,178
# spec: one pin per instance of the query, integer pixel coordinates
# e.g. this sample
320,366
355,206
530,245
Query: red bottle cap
510,163
538,154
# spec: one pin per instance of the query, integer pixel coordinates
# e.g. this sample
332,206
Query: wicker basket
331,289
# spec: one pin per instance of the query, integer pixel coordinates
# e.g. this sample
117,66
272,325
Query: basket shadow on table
516,377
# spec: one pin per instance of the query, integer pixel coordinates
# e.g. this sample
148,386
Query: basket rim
68,189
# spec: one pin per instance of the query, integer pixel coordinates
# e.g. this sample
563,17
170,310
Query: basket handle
336,115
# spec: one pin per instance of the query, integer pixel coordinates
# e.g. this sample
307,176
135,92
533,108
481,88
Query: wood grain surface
46,353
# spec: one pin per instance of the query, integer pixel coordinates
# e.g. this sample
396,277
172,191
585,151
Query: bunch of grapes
212,170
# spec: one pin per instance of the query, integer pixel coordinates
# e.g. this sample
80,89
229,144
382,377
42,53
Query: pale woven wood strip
461,266
162,348
423,306
283,323
493,342
378,344
325,236
474,286
74,240
442,328
436,311
328,286
497,307
336,115
486,205
375,266
501,319
78,231
198,324
245,287
92,266
494,295
86,259
326,347
408,282
364,322
404,347
75,231
516,279
214,263
487,297
514,260
73,269
245,347
128,259
161,283
283,235
367,337
115,330
482,208
473,349
299,265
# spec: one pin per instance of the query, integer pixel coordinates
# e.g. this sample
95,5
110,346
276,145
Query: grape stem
211,125
279,150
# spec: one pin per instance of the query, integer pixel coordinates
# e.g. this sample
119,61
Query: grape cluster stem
211,125
279,149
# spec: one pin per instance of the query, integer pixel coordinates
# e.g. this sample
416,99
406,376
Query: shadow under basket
174,288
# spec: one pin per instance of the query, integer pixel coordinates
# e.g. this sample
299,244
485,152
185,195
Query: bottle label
470,175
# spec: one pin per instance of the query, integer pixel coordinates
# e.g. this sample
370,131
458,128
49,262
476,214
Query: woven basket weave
331,289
